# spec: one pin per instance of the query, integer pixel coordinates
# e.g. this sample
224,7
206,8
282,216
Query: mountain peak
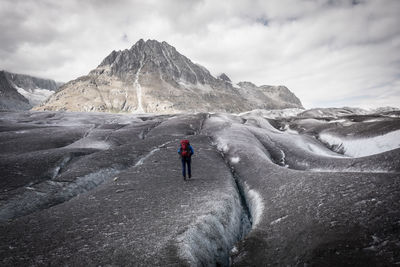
246,84
224,77
152,56
153,76
150,43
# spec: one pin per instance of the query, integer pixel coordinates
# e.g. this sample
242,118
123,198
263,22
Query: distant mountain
10,99
155,77
22,92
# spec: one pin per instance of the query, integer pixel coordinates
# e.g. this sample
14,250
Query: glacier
282,187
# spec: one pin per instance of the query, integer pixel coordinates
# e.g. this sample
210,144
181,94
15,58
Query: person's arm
191,150
179,151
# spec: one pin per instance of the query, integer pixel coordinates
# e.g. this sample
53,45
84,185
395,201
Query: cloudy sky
328,52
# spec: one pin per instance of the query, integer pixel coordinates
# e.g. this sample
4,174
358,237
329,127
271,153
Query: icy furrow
145,157
33,199
141,160
60,166
360,147
255,203
208,241
143,134
50,193
89,131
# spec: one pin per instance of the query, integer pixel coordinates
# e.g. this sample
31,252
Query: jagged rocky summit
22,92
154,77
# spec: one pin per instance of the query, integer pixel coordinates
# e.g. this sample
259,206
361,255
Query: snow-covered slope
10,99
359,147
21,92
35,96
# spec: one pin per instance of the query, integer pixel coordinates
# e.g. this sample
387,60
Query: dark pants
184,162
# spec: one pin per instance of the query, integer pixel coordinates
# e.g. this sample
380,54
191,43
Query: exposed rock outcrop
10,99
224,77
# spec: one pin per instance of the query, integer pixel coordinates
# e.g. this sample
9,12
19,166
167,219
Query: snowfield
35,96
282,187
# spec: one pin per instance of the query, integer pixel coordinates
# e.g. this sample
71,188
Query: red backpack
185,150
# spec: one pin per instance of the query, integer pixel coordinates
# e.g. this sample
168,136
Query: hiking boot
184,178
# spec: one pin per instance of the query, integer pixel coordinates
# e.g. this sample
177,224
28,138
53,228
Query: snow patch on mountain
35,96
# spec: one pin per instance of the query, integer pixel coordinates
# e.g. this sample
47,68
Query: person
186,152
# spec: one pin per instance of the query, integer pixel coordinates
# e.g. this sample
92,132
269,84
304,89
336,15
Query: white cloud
329,53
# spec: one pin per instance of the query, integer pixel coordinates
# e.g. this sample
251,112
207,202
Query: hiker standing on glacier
186,152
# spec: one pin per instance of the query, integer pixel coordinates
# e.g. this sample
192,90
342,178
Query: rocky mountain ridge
153,76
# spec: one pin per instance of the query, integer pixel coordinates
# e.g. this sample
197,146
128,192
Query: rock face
154,77
30,82
10,99
224,77
22,92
